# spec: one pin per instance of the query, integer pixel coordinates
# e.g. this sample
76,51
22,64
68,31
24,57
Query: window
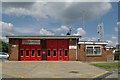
66,52
60,52
33,52
4,53
93,50
38,52
97,50
35,42
48,52
54,52
89,50
27,52
21,52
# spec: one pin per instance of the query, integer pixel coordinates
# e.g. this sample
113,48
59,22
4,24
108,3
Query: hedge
117,56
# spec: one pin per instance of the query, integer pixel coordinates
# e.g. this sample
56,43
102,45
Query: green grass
107,66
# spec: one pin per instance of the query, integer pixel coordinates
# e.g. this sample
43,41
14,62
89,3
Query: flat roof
44,37
93,42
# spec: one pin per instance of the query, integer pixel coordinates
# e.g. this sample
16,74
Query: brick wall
13,49
106,54
72,52
81,53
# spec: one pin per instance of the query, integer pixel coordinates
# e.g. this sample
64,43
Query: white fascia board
92,43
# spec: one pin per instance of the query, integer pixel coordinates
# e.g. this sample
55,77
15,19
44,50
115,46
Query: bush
3,46
117,56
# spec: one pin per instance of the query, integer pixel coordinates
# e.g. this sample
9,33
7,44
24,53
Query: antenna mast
100,31
69,32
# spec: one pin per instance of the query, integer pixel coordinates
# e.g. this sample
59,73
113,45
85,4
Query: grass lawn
107,65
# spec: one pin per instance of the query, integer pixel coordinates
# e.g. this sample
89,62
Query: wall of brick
13,49
106,54
72,52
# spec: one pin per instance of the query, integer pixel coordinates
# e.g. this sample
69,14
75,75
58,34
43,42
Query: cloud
6,29
80,31
67,12
25,30
61,0
118,26
5,39
113,41
45,32
114,38
116,29
88,39
110,43
62,28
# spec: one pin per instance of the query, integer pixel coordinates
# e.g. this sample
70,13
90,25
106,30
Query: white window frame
94,49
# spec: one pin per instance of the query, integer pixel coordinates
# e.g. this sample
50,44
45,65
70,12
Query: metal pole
76,51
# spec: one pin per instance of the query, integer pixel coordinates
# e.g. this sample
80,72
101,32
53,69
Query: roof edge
43,36
93,42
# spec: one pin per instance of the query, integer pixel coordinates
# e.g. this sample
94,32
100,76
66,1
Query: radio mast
100,31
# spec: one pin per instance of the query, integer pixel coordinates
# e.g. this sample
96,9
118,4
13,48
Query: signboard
31,42
72,47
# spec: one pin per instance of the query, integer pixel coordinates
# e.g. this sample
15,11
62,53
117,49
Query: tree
3,46
68,33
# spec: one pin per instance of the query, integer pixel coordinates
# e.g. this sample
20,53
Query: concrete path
114,75
49,69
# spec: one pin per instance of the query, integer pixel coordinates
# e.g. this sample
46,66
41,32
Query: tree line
3,46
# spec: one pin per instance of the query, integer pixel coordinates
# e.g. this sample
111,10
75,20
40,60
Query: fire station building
56,48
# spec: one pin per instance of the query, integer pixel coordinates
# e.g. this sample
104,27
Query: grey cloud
68,12
84,10
17,4
6,28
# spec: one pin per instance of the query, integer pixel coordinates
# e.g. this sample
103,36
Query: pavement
49,69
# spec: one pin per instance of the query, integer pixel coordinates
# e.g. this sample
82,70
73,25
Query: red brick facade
13,49
106,54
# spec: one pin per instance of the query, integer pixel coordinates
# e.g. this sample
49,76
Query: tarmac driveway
49,69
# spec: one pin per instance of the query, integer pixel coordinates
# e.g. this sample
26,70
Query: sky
56,18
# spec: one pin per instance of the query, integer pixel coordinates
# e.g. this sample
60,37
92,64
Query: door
39,54
30,49
27,54
60,54
66,55
44,57
22,54
54,55
49,55
33,54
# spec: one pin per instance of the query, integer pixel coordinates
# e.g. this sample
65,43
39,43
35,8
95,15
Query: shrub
117,56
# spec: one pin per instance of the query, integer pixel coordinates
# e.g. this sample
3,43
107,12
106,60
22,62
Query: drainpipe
76,51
